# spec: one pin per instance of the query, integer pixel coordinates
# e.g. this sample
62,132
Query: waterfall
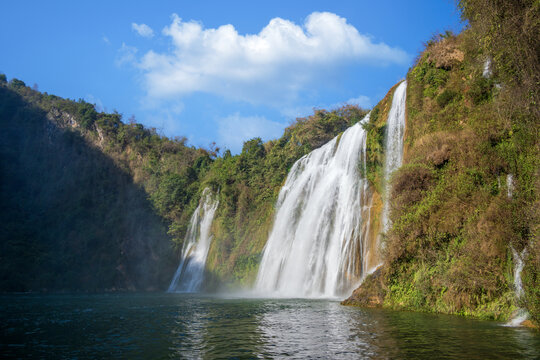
521,314
190,272
519,262
320,235
509,185
518,268
486,72
395,126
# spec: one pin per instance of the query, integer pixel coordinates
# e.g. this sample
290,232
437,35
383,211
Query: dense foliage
467,195
509,32
90,196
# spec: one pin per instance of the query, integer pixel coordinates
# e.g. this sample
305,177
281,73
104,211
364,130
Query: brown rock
370,293
529,324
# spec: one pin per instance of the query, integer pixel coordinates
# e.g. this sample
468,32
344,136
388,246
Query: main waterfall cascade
190,273
319,240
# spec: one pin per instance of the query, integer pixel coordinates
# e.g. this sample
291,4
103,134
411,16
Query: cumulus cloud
143,30
233,130
272,66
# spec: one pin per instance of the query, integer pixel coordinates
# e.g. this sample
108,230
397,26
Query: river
165,326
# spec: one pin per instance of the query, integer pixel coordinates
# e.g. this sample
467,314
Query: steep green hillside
88,199
468,191
71,219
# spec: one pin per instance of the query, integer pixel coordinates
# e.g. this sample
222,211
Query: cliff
467,194
72,219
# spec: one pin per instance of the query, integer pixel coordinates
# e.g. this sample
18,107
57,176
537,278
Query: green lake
168,326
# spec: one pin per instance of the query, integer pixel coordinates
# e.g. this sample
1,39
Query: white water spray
319,241
190,273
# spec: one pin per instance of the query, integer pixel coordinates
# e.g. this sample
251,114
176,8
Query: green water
160,326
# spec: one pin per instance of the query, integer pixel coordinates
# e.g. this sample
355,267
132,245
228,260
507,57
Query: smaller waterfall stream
190,272
487,72
509,185
395,126
518,268
519,262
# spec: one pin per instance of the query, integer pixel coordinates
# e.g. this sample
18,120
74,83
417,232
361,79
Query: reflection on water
330,331
190,326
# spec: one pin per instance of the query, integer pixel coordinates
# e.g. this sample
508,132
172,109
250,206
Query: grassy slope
453,222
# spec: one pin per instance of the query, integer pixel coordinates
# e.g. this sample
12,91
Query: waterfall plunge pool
190,326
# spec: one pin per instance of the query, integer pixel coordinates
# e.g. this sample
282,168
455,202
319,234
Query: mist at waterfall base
164,325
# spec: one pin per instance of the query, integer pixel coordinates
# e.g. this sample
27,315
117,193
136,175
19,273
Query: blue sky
223,71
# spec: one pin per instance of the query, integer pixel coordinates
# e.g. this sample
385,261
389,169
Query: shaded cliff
71,218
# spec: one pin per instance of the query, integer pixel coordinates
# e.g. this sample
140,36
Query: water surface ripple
169,326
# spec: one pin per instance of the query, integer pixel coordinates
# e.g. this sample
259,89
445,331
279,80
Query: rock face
370,294
71,219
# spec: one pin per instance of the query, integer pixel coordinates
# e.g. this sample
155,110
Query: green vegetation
92,203
71,218
455,216
248,186
91,209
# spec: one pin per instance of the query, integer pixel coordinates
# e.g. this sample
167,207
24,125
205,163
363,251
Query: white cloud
106,40
235,129
143,30
125,55
270,67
